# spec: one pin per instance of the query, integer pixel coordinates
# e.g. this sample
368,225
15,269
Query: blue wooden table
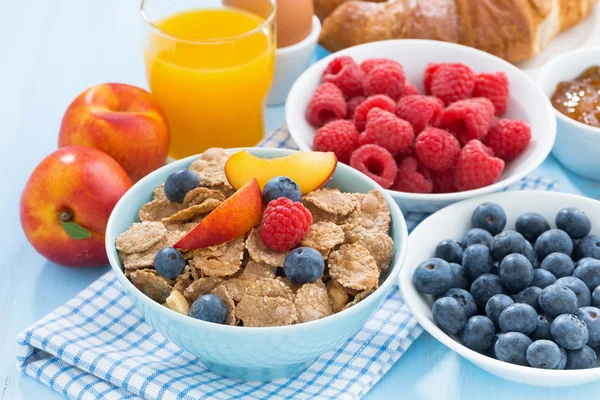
50,51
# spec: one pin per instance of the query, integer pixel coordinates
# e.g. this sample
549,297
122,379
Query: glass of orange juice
210,65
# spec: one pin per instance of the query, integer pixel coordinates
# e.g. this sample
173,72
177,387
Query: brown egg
294,17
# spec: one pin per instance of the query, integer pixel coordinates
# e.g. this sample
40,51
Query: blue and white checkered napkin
97,346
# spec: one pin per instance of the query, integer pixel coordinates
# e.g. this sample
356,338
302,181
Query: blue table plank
51,51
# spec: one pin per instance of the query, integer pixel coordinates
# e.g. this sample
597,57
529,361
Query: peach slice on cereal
233,218
310,170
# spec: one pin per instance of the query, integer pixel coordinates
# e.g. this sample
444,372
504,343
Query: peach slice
237,215
310,170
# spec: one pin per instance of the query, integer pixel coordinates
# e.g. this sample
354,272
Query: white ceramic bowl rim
554,65
307,41
526,170
458,347
390,280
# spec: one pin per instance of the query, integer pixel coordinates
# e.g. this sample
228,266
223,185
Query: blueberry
562,364
589,246
516,272
495,305
433,276
476,261
169,262
450,251
558,299
179,183
531,225
589,273
596,297
281,186
553,241
508,242
574,222
512,348
583,358
449,315
460,281
559,264
489,216
478,333
491,350
542,278
495,268
583,260
485,286
464,299
591,317
477,236
569,331
303,265
209,308
530,296
518,318
584,297
543,354
542,330
530,254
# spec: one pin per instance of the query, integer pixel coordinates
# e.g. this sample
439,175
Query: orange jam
579,99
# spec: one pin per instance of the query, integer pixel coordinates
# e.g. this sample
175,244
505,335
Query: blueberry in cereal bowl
268,283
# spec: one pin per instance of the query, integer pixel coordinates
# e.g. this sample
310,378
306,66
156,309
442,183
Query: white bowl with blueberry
511,281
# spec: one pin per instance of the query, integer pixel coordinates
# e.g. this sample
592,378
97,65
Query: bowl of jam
572,82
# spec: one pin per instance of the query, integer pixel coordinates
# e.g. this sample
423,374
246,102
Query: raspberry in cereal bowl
435,122
256,260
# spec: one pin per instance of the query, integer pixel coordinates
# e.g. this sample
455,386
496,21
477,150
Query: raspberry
409,89
284,224
401,155
508,138
412,178
352,104
340,137
420,111
387,130
370,63
443,182
437,149
468,119
375,162
476,167
360,115
385,79
428,75
493,86
452,82
345,73
327,104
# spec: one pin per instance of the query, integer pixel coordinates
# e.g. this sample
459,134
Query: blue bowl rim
398,221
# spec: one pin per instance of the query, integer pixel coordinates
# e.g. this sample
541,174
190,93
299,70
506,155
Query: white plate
526,102
452,223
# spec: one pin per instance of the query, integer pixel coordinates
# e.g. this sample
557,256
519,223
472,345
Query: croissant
514,30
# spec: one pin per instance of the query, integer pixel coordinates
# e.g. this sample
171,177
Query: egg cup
290,62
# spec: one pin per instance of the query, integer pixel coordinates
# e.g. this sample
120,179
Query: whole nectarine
122,120
66,204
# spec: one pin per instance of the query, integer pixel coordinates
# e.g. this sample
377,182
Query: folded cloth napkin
97,346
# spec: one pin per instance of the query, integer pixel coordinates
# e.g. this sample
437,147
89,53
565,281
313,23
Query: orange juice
211,70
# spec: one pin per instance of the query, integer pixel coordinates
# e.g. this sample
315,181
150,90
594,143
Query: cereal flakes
255,270
236,287
156,210
159,193
323,236
331,200
188,213
353,267
140,237
200,194
337,295
221,260
271,288
151,284
201,287
210,167
312,302
380,246
359,297
265,311
261,253
222,292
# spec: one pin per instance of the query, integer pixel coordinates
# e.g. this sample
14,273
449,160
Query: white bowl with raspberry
432,122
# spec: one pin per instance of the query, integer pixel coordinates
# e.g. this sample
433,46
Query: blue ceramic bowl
254,353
